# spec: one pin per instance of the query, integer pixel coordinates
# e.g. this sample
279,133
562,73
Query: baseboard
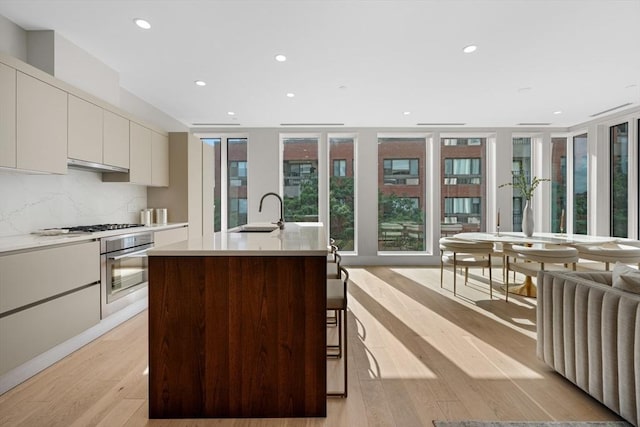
49,357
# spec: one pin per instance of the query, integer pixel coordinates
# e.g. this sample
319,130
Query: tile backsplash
31,202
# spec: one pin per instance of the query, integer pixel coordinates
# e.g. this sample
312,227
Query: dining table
528,288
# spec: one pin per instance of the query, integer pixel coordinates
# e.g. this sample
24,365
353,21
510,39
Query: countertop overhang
296,239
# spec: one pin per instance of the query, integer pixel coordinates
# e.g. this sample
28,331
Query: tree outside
400,223
341,212
304,206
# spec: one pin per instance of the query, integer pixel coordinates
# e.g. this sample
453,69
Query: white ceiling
361,63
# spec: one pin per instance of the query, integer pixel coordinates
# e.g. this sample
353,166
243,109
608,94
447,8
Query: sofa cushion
626,278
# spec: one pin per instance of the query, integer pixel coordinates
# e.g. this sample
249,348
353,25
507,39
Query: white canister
146,216
161,216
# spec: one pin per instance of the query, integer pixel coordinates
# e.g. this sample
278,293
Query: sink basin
256,228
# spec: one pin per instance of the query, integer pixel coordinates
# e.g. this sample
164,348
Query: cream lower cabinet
46,297
7,116
41,126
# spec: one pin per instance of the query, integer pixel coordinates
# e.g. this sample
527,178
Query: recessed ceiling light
231,113
524,89
142,23
406,113
557,112
281,58
470,48
200,83
290,95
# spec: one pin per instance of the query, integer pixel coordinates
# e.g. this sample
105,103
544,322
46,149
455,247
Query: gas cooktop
99,227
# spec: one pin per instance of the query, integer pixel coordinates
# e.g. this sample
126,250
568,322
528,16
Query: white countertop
297,239
33,241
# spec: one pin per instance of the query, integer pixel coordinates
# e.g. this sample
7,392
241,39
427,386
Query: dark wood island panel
237,336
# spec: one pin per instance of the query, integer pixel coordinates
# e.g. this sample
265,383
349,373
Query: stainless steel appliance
124,270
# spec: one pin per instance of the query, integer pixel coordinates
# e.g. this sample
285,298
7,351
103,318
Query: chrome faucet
280,222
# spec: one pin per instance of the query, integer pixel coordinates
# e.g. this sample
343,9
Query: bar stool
337,301
333,263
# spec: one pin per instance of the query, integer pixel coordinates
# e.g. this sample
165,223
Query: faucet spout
280,222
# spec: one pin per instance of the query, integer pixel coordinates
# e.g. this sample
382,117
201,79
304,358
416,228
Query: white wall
13,39
142,109
41,50
31,202
84,71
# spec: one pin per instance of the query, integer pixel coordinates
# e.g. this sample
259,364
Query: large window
341,192
401,194
463,182
558,184
300,178
580,184
619,149
217,186
236,182
521,165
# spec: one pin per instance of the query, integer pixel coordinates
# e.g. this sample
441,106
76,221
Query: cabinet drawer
29,277
28,333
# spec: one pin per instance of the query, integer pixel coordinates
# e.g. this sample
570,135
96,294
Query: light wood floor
417,353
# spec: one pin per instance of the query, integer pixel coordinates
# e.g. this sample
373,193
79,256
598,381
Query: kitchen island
237,325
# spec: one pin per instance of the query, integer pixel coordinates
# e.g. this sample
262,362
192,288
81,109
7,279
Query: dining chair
465,253
529,260
337,301
610,252
502,249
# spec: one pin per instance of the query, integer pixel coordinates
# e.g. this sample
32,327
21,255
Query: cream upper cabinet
115,151
7,116
139,154
159,160
148,158
85,130
41,126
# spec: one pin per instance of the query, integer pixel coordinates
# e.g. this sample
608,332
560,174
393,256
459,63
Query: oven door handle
130,255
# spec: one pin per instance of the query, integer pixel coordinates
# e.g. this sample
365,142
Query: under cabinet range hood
95,167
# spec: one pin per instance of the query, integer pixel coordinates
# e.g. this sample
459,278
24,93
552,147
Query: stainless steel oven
124,271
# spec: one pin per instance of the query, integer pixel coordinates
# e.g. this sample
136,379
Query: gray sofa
589,332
